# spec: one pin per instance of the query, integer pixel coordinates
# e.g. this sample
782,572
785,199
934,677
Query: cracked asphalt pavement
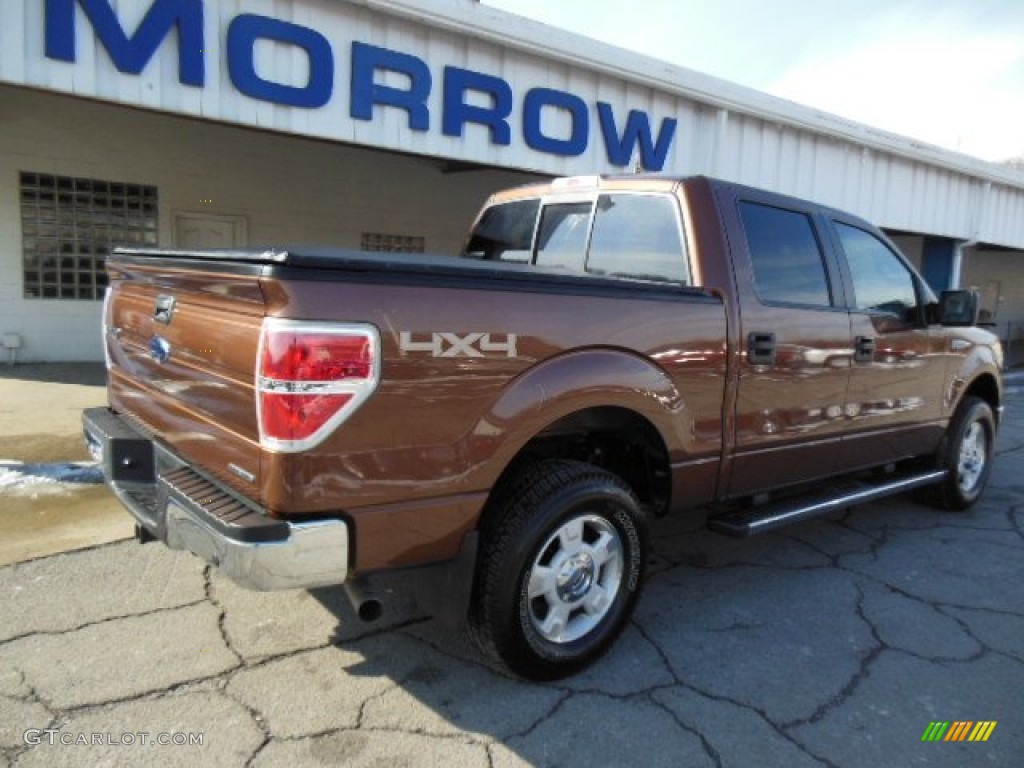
834,642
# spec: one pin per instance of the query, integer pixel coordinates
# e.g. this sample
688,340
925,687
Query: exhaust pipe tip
366,607
370,610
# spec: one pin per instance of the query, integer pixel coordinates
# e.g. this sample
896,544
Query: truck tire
966,454
562,559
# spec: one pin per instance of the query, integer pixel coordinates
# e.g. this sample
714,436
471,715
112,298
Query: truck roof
646,182
653,182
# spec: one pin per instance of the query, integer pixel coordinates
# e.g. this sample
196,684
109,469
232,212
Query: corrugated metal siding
723,130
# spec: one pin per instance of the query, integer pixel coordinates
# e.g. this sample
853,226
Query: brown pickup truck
606,351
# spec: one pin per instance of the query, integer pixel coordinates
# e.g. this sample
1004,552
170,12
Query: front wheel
967,455
563,552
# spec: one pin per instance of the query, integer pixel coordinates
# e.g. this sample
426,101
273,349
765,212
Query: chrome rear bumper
188,511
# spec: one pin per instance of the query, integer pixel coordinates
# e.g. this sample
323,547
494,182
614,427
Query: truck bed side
476,363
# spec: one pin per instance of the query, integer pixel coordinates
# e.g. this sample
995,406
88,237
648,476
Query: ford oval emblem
159,349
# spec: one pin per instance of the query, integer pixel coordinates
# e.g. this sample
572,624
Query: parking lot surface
835,642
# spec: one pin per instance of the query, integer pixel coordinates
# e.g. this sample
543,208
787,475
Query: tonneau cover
437,265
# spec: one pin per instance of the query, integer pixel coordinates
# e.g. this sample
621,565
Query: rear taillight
108,295
310,377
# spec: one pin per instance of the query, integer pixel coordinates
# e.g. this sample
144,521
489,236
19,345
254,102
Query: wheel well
616,439
986,388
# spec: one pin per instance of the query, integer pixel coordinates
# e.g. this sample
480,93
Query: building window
69,226
378,241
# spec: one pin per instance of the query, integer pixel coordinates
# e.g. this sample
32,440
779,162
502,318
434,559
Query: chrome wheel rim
972,459
575,578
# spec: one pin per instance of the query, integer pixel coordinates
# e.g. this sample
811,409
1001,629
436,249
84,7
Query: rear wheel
967,455
561,564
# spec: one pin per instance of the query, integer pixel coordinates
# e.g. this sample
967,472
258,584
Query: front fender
977,365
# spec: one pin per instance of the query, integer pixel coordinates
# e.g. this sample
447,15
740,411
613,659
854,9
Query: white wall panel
291,191
723,129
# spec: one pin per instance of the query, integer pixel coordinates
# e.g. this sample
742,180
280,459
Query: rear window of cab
630,235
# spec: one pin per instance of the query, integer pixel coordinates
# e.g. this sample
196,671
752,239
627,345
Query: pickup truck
506,425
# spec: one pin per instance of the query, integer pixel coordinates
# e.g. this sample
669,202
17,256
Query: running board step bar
758,519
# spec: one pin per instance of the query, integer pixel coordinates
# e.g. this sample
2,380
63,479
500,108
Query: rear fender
571,383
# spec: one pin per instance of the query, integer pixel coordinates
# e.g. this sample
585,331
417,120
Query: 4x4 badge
454,345
164,309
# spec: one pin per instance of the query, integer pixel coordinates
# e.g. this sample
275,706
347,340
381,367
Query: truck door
895,402
796,344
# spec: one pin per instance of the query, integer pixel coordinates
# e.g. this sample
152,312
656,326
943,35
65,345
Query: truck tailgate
181,343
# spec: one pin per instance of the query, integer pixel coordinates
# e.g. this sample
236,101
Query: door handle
761,348
863,349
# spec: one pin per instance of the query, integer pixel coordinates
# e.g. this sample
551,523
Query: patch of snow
51,479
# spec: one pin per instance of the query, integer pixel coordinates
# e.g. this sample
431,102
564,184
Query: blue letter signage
131,54
366,60
245,30
552,121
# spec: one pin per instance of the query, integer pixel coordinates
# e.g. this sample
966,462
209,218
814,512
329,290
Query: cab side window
627,235
562,239
786,256
637,236
881,282
505,233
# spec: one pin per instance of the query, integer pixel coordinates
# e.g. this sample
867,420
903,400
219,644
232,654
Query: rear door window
786,256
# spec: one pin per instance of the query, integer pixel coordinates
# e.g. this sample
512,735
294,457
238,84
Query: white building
384,124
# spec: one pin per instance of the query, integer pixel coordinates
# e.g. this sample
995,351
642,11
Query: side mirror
957,308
